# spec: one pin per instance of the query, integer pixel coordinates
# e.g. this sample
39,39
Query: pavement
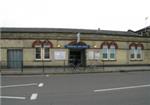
118,88
62,70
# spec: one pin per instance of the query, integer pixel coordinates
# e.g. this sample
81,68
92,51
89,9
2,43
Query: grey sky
88,14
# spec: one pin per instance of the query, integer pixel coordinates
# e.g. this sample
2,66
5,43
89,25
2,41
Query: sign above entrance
77,46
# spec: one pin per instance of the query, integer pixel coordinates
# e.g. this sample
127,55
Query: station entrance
77,52
77,55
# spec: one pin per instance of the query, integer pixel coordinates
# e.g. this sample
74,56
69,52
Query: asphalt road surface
128,88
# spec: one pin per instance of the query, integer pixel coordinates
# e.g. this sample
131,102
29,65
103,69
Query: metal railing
63,66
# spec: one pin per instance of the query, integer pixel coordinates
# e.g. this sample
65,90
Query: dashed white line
20,85
34,96
121,88
11,97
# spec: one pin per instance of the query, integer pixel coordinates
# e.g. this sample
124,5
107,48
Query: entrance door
15,58
77,54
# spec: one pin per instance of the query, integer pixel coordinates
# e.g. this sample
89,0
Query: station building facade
29,47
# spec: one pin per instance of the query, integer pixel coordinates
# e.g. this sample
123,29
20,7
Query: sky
85,14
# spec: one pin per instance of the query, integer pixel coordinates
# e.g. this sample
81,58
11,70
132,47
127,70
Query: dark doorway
15,58
77,54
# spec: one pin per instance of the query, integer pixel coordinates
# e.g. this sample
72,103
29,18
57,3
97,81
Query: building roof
66,30
143,29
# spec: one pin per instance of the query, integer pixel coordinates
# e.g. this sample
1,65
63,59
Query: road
127,88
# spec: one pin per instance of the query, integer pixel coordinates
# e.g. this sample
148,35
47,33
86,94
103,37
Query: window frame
43,50
112,47
42,53
134,53
107,52
36,52
141,53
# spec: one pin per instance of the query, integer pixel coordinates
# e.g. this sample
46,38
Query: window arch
113,44
140,45
37,43
105,43
132,45
47,43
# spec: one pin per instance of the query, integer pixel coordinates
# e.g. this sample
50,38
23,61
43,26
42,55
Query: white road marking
41,85
11,97
47,75
34,96
21,76
121,88
20,85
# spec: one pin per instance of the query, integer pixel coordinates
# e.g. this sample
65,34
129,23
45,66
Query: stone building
29,47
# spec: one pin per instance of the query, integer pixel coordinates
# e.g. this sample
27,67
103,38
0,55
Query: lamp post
146,18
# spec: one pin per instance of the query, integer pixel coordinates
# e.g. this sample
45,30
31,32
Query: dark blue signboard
77,46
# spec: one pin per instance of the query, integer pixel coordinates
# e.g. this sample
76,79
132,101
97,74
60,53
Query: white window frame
134,52
112,47
107,52
141,53
42,51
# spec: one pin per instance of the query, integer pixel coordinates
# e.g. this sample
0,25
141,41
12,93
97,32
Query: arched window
136,51
46,49
109,50
42,49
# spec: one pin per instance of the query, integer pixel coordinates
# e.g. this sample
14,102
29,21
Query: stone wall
24,41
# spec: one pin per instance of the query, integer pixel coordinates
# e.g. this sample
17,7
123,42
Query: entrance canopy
77,45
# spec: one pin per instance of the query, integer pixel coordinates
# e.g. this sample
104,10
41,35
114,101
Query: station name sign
77,46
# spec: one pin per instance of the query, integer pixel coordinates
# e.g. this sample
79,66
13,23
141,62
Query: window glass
132,52
46,53
105,52
38,53
139,53
112,52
